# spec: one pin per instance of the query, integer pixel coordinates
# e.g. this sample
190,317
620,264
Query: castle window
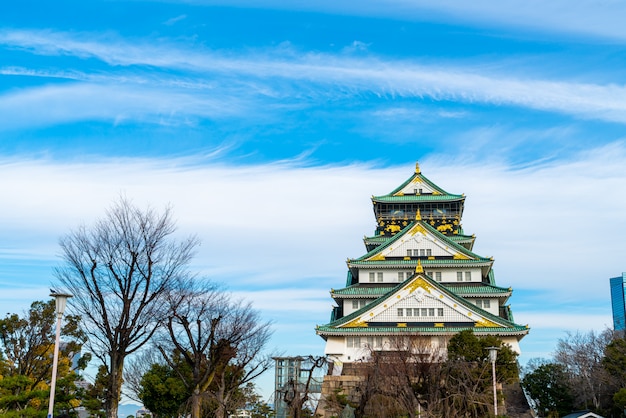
409,312
459,276
353,342
409,253
438,276
429,252
431,311
400,276
372,276
399,311
424,311
468,276
439,311
357,304
379,276
422,252
374,342
483,303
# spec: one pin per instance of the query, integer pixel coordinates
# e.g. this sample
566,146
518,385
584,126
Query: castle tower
418,278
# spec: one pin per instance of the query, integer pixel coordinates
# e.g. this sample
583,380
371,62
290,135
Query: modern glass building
618,302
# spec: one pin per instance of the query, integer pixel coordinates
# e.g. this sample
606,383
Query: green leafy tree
614,360
548,387
467,346
26,347
255,404
162,391
94,397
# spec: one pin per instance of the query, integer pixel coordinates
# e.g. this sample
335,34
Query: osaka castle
418,277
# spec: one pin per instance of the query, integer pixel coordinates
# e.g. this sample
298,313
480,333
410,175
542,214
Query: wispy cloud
174,20
532,220
586,17
266,229
270,75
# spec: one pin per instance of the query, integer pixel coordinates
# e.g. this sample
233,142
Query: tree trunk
115,386
195,403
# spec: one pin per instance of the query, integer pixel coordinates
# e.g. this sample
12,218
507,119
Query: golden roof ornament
417,168
419,268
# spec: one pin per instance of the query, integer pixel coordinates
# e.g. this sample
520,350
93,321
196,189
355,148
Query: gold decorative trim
416,284
417,228
419,268
417,168
418,215
459,256
401,324
485,323
439,325
356,323
377,257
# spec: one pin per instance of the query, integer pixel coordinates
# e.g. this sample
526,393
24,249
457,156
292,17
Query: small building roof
583,414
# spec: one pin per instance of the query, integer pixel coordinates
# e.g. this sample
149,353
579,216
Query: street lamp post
60,301
493,354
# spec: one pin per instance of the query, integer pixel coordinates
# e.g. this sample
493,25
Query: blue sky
269,124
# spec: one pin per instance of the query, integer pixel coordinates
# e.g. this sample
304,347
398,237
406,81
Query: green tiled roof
459,237
399,235
481,289
423,179
379,239
514,330
464,289
363,291
425,263
418,198
433,283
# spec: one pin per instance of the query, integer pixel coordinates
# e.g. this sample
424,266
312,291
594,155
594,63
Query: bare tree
249,363
582,355
215,338
409,377
119,271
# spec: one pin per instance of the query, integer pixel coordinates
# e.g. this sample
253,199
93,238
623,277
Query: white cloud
547,226
279,234
276,76
584,17
57,104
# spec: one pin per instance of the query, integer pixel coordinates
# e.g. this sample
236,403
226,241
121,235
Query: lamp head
493,353
60,299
